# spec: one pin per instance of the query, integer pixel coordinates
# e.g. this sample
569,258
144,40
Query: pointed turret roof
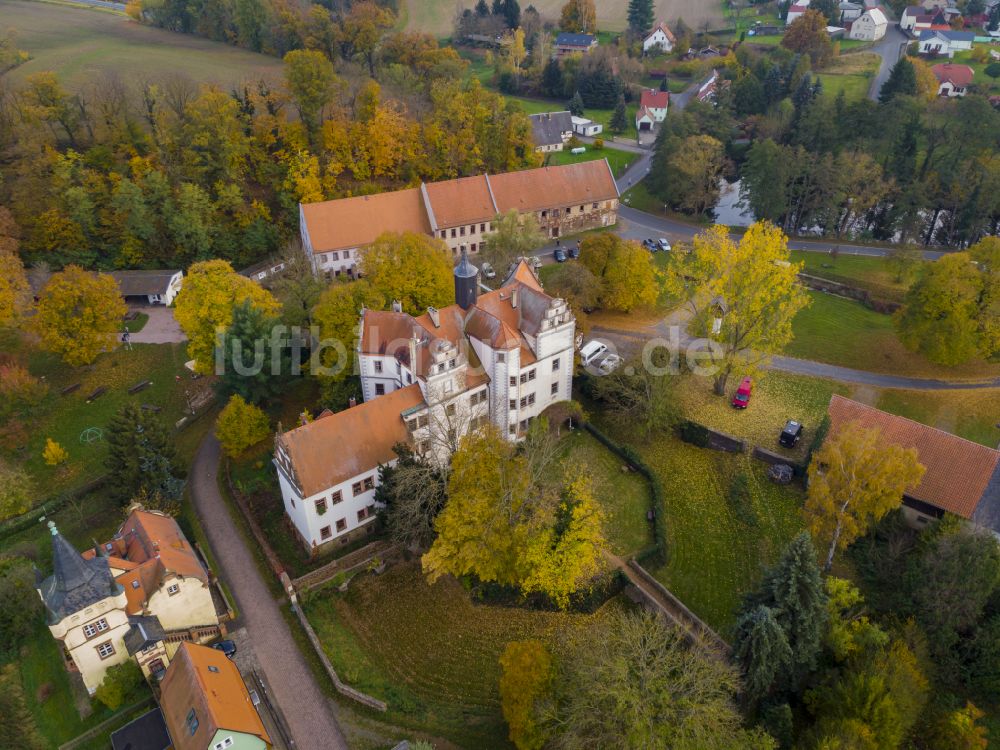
75,583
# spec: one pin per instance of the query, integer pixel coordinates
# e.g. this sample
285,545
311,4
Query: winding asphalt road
309,713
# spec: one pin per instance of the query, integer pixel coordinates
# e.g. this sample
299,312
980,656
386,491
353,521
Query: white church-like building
500,357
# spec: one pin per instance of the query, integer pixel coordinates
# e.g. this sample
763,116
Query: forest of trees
912,167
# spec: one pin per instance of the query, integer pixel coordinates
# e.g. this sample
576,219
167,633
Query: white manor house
502,356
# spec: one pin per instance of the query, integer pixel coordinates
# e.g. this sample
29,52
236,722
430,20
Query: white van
591,351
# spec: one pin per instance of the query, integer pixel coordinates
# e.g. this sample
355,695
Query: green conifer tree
619,118
762,651
140,456
575,105
640,16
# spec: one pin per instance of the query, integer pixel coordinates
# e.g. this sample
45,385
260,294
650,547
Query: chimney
432,312
413,351
352,402
397,306
513,297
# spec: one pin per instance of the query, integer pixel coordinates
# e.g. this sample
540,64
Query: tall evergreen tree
140,455
619,118
552,80
793,589
512,13
640,16
575,105
664,84
762,651
902,81
250,368
482,9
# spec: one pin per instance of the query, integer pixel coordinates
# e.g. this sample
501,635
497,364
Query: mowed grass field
437,16
79,44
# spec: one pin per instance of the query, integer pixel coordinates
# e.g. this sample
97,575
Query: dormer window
451,363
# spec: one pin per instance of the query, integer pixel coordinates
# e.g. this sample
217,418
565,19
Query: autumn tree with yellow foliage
751,284
79,315
241,426
526,673
15,293
855,478
625,269
54,454
578,16
412,268
204,307
505,521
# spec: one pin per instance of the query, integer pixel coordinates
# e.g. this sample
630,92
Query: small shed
149,287
583,126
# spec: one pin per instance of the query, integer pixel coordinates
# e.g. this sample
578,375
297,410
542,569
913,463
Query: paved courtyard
161,328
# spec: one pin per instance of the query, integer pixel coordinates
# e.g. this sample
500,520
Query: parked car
559,255
742,396
664,244
488,271
226,647
591,351
650,244
609,363
573,251
791,434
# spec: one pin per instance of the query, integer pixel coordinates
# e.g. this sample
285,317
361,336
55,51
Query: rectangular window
106,649
524,401
513,381
409,378
378,366
451,362
531,374
173,589
444,234
356,489
192,722
472,229
347,254
461,231
531,399
472,247
449,410
341,525
335,256
336,497
369,483
513,404
482,227
90,630
380,389
453,231
321,506
594,206
524,378
555,389
555,364
422,446
422,420
501,356
582,209
544,214
325,533
513,429
569,211
362,514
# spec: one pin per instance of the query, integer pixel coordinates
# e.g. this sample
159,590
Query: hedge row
657,501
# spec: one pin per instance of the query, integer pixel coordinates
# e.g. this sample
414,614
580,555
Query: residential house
459,212
656,102
583,126
644,119
149,287
138,595
266,269
954,79
206,705
706,92
944,43
551,130
962,477
498,358
795,11
850,11
660,39
870,26
571,44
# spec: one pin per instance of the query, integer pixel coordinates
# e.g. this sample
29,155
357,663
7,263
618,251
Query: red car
742,397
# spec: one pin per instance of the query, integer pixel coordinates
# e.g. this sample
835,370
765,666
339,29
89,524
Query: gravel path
309,713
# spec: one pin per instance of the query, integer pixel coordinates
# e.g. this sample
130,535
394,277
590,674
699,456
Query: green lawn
65,418
855,87
862,271
617,159
980,78
428,651
79,44
844,332
138,323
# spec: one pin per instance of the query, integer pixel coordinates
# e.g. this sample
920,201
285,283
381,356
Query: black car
226,647
559,255
651,245
573,251
791,434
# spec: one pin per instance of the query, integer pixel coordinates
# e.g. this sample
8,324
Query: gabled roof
951,36
877,15
354,222
956,75
665,29
643,113
549,187
142,633
962,477
547,128
654,99
566,39
143,283
341,446
76,581
204,679
466,200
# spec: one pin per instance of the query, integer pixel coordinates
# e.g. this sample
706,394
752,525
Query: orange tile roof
361,437
958,472
550,187
466,200
204,679
654,98
355,222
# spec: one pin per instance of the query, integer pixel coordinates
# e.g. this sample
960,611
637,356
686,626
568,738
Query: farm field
436,16
79,44
844,332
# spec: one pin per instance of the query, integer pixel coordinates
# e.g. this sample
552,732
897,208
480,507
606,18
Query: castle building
501,358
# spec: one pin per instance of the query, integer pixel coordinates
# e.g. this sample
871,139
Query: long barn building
564,199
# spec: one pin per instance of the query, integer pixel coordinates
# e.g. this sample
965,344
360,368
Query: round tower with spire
466,282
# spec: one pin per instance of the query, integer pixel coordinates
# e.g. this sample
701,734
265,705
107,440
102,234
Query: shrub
694,433
598,144
54,454
119,681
